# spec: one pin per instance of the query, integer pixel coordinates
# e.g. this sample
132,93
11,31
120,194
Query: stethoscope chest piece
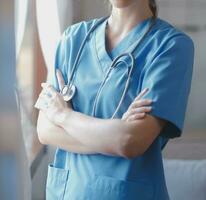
68,92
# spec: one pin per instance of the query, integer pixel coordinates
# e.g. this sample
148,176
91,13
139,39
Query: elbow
130,148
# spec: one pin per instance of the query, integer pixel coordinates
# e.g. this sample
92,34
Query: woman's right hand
138,108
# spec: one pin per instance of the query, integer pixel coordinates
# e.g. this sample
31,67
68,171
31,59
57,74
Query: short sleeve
168,77
60,61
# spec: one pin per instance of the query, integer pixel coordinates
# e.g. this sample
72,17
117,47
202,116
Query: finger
45,95
140,103
136,116
124,116
49,89
142,93
60,79
137,111
40,103
47,86
143,109
45,92
37,104
44,85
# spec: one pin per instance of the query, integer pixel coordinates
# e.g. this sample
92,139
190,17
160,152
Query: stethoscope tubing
76,62
115,62
113,65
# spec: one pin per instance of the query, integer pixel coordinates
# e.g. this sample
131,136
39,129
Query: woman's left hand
51,102
138,108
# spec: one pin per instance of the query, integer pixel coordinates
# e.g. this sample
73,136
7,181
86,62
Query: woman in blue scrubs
116,159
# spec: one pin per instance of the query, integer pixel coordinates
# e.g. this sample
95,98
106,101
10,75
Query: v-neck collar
105,58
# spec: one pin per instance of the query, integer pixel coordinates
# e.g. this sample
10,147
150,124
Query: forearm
106,136
51,134
112,136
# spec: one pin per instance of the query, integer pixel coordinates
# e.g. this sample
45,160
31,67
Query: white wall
190,15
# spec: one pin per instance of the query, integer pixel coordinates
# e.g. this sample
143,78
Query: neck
122,20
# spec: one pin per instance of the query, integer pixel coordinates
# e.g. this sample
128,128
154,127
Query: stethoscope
69,89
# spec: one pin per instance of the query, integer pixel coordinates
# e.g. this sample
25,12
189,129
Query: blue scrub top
164,64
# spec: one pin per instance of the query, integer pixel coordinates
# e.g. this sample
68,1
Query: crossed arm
63,127
51,134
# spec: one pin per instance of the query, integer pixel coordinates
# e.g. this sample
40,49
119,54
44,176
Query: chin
122,3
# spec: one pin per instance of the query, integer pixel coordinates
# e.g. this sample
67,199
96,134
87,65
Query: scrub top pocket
105,187
56,183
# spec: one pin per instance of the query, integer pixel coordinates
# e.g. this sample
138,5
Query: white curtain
52,17
21,7
15,182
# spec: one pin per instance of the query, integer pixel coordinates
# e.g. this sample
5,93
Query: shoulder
169,43
72,37
78,30
74,34
71,40
171,49
166,35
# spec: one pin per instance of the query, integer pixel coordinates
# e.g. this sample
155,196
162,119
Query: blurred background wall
15,181
34,61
